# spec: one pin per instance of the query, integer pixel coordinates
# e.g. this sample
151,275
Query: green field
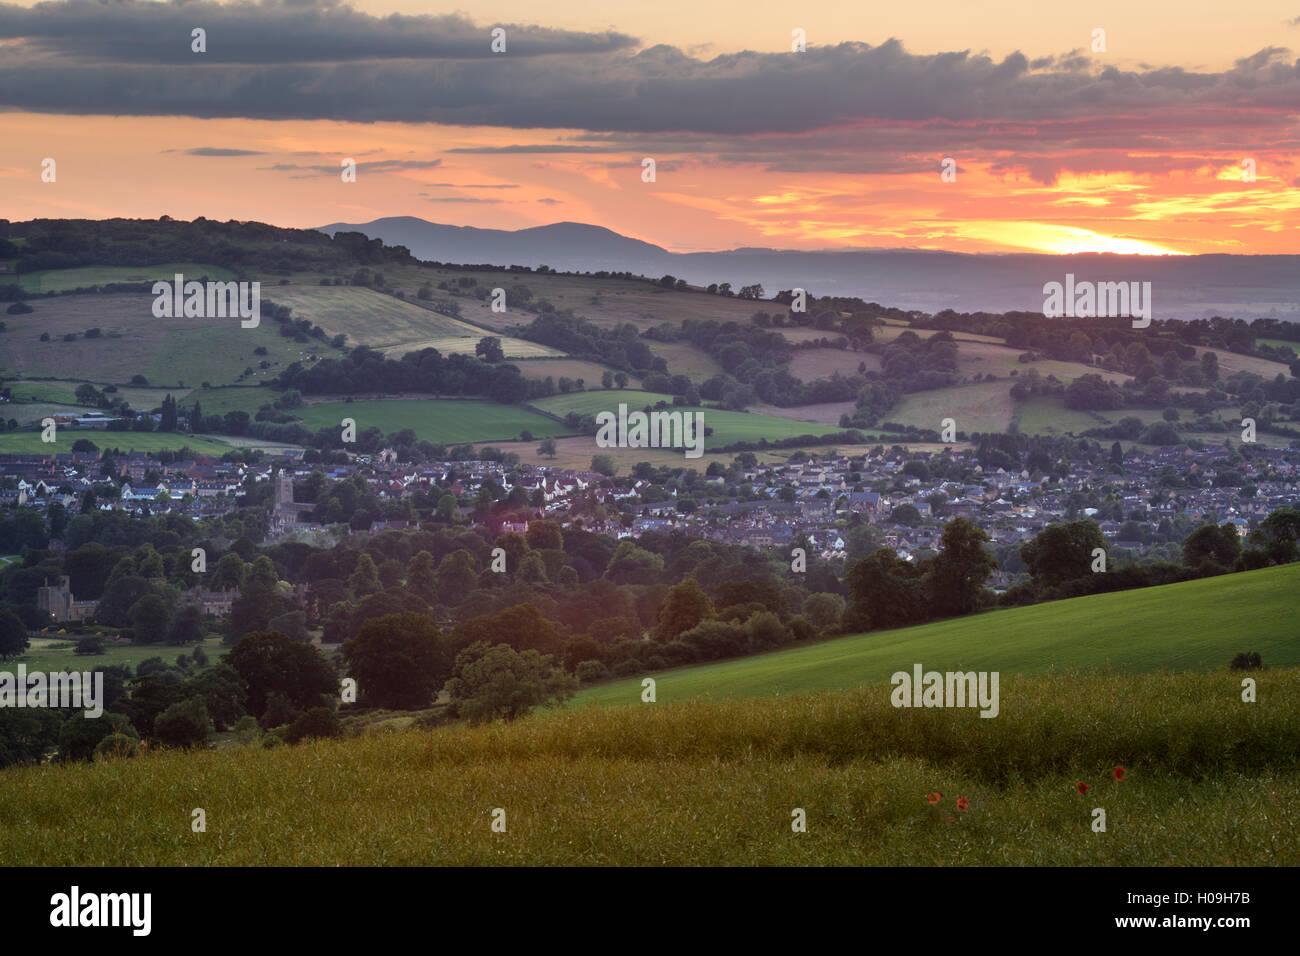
391,325
442,421
1195,625
30,442
43,656
35,412
218,401
1209,781
728,427
1048,415
1279,343
59,280
63,394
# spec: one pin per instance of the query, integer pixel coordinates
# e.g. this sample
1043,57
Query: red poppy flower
934,798
1119,773
952,819
962,803
1081,787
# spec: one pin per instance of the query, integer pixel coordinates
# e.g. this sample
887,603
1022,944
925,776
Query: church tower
283,489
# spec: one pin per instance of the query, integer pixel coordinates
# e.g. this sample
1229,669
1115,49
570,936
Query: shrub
588,672
90,645
316,722
279,711
1247,661
184,725
628,668
116,747
678,652
246,729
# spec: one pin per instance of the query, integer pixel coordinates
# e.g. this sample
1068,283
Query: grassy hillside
391,325
984,407
1209,781
442,421
1195,625
166,351
29,443
59,280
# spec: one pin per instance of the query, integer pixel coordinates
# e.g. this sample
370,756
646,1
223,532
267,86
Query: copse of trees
364,370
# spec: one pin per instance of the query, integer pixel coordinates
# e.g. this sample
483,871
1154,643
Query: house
215,603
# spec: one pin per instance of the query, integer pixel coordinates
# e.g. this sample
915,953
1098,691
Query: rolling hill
1195,625
1196,286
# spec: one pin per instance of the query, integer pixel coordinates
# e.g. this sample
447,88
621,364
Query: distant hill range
1184,287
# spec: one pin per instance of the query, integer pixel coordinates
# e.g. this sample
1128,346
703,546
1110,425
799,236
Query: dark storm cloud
269,32
852,108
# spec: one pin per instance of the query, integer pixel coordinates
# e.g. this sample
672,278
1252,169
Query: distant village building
215,603
57,601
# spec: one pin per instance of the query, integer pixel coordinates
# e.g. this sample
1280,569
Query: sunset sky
1058,148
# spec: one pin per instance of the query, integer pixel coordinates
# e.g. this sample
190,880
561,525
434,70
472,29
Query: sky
1142,126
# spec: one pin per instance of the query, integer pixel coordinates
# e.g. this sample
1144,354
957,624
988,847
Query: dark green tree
685,606
1062,552
399,661
490,682
959,571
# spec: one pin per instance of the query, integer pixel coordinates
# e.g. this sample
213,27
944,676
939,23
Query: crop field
1230,362
1208,781
616,301
390,325
810,364
167,352
442,421
1192,626
59,280
686,359
29,442
982,407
